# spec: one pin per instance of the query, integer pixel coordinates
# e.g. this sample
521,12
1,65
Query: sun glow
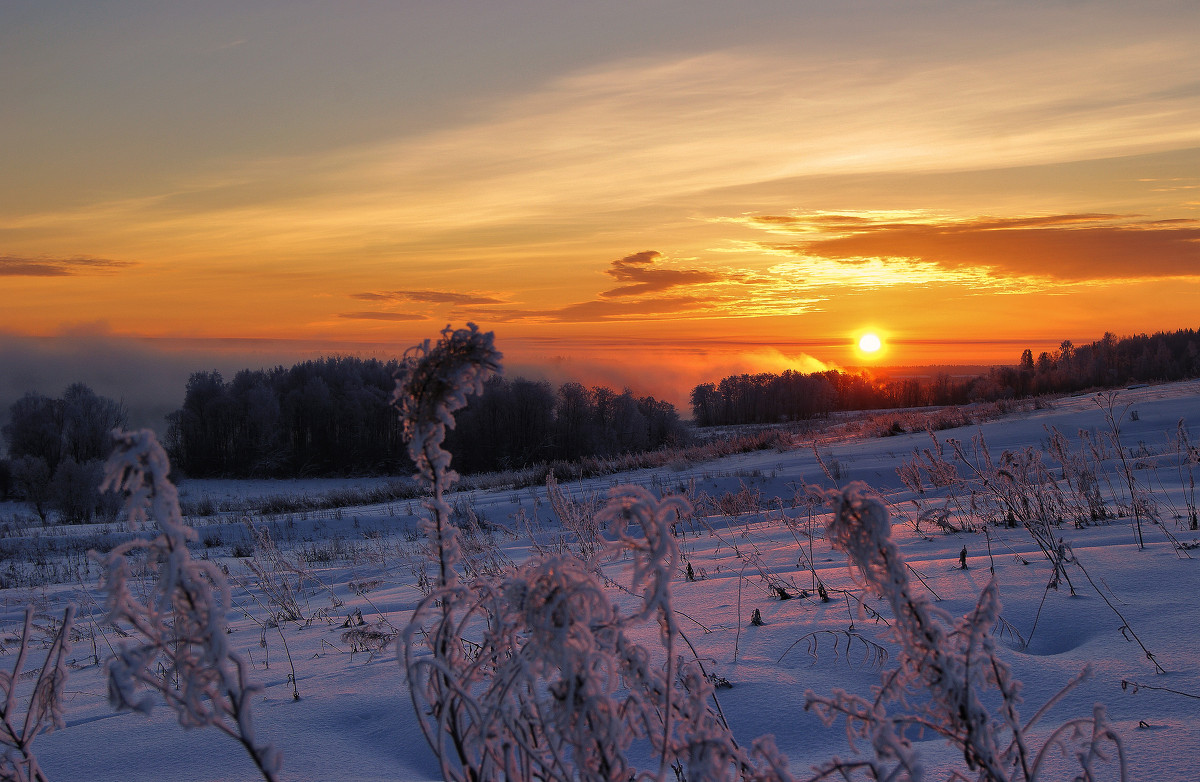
870,343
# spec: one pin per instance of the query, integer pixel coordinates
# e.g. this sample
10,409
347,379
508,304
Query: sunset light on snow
658,192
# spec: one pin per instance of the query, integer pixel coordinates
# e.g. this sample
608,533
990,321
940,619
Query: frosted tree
178,649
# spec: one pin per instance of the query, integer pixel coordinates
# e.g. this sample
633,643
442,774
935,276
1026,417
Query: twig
1126,683
737,638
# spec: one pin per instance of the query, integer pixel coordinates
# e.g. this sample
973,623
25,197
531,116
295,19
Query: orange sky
651,195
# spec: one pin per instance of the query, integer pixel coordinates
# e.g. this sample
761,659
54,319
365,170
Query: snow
354,719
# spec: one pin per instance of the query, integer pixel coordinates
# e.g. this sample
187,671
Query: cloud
729,127
685,294
658,293
786,300
833,223
428,296
381,316
639,270
658,307
989,251
828,276
16,266
598,311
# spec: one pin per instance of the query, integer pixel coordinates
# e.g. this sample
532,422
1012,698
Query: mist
148,378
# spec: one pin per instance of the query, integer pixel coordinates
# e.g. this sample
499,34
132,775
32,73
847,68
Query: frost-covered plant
283,579
272,572
433,383
531,674
178,649
43,712
1087,504
1020,490
1139,498
941,474
481,554
1189,457
577,517
949,679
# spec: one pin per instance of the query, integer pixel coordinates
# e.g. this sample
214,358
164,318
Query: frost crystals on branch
44,711
180,650
431,385
947,674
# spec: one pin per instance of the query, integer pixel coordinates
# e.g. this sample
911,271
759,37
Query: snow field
354,718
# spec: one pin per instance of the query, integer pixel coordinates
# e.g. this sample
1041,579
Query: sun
870,343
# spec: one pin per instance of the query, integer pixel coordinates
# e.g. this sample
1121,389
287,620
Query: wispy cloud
661,291
658,307
726,119
392,316
16,266
597,311
427,296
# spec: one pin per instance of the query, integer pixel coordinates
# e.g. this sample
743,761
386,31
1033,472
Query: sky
653,193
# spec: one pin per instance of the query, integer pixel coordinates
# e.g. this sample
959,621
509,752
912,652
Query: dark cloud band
1070,247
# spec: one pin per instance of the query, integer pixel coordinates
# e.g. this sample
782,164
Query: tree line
327,417
332,417
765,397
1108,362
516,423
1105,363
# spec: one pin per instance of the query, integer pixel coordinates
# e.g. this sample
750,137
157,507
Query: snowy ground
354,719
